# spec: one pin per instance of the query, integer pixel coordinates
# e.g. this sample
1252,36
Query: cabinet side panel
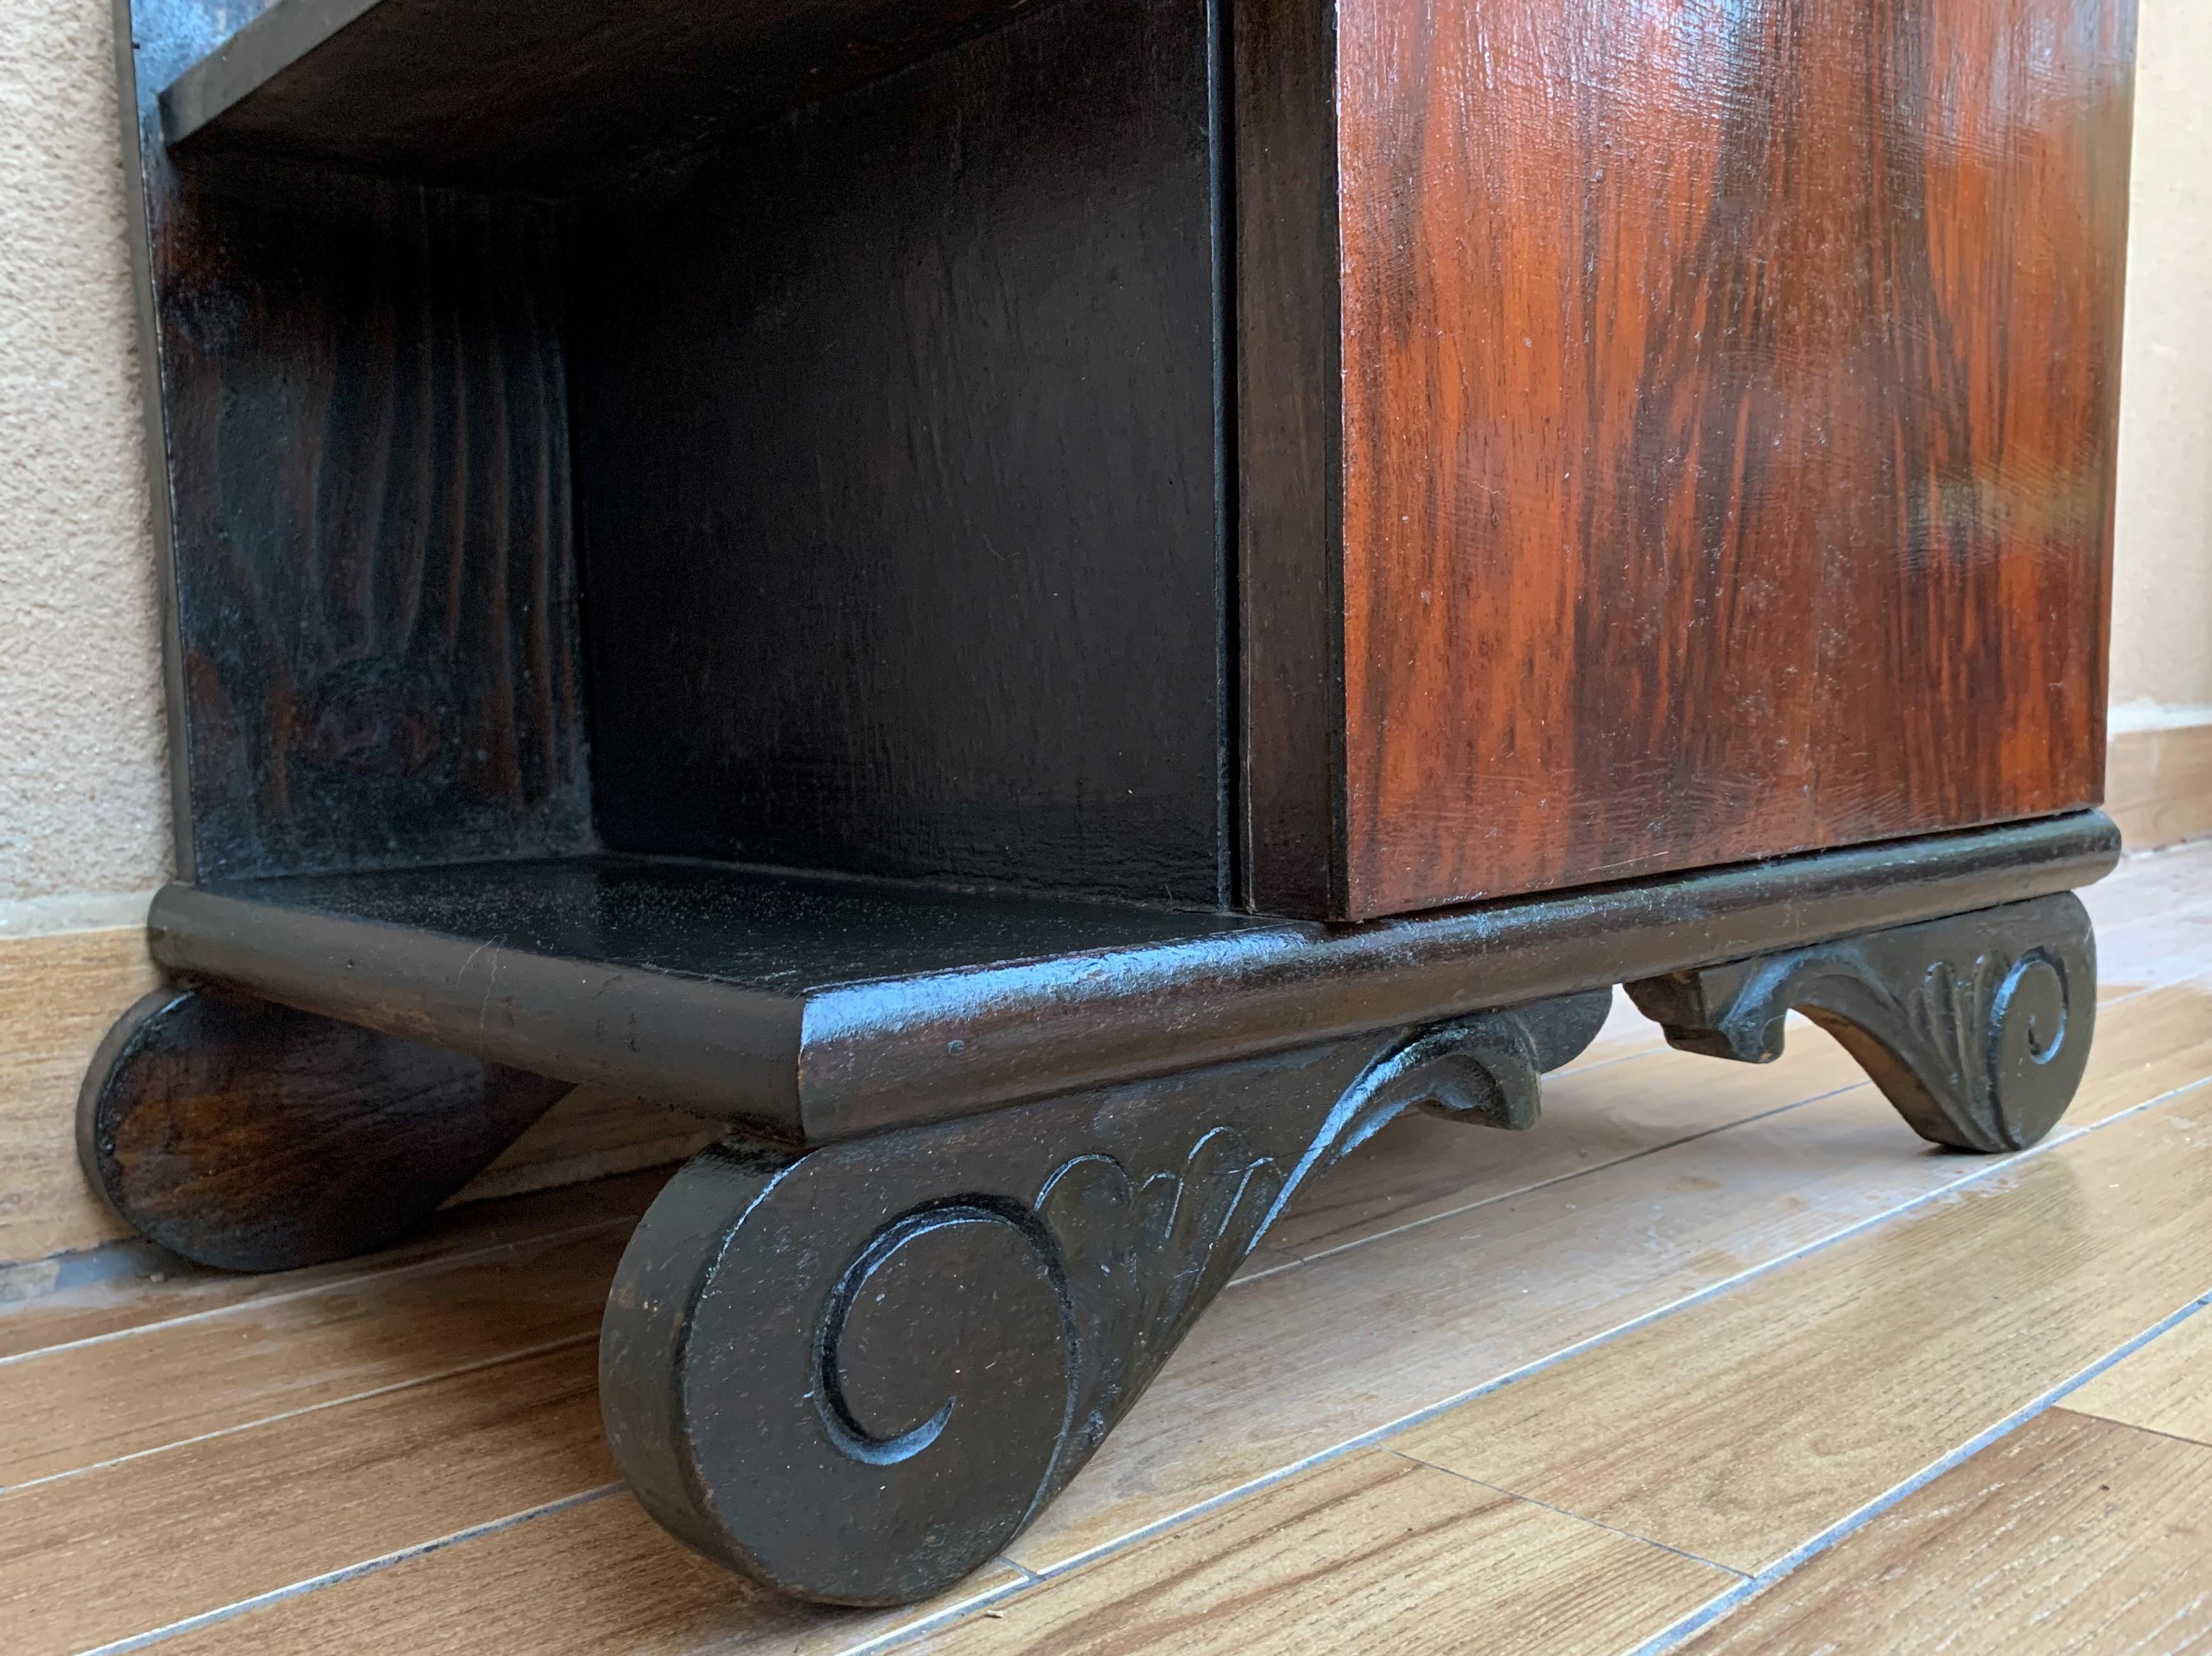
894,424
1289,460
361,392
1729,404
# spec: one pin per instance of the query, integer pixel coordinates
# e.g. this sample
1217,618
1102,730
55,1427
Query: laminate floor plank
1624,1033
146,1542
2163,1387
1435,1269
2154,1042
1368,1553
94,1403
161,1289
1746,1424
595,1132
1422,1166
1302,1362
593,1580
2150,884
2153,919
2071,1535
2149,952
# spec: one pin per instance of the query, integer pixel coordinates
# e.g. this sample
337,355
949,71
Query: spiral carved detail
1976,1027
857,1372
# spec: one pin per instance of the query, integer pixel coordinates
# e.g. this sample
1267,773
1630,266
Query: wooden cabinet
1439,452
1694,425
1058,610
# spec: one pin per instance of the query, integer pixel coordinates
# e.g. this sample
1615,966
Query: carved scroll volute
1976,1026
855,1372
864,1421
858,1424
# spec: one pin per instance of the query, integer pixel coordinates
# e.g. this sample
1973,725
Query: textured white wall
83,799
82,796
2162,571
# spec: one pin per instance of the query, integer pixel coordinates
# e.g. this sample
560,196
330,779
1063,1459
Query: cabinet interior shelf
550,95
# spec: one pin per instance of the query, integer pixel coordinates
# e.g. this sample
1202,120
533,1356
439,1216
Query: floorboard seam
1579,1518
1636,1046
307,1409
1421,1416
341,1285
981,1604
1735,1597
350,1573
1559,1178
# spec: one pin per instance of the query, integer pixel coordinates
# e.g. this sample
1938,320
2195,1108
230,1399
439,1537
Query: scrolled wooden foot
856,1371
1976,1027
246,1136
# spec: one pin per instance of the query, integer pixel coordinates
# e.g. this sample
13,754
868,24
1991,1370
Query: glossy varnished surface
816,1008
1728,399
268,1436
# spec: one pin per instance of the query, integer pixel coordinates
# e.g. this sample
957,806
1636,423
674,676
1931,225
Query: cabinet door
1717,453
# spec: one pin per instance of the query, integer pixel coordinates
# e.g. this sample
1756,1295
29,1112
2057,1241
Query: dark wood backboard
897,474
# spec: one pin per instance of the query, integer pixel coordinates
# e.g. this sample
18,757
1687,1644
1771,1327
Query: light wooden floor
1717,1358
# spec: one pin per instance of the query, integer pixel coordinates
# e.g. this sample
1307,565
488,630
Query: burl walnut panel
1728,403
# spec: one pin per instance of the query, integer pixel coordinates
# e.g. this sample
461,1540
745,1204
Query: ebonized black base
1976,1026
855,1372
854,1368
249,1136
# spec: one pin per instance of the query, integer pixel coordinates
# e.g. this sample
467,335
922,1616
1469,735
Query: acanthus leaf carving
1975,1026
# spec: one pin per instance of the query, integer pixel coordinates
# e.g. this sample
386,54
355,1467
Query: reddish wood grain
249,1136
1728,410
